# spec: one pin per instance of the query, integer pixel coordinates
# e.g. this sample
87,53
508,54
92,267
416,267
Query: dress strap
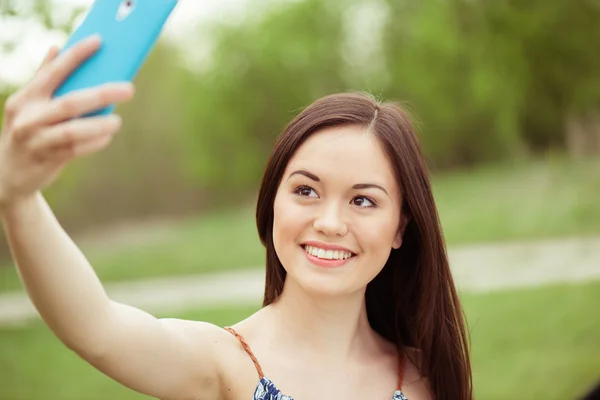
247,349
401,370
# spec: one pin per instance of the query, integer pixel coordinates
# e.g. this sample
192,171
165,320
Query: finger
66,63
74,138
84,148
84,101
70,106
19,97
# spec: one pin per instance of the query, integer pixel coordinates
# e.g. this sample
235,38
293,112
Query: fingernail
116,120
95,38
128,86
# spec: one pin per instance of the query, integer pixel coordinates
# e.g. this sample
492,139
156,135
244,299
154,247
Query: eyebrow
357,186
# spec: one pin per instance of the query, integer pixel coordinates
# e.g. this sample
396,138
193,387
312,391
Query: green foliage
554,41
440,62
487,81
260,74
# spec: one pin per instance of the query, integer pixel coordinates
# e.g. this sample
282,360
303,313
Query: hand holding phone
40,134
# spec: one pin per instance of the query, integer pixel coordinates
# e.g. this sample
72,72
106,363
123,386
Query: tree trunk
583,133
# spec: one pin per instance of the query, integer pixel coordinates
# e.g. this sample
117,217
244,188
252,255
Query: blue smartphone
128,30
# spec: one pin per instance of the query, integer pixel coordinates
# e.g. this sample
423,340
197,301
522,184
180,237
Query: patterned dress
266,390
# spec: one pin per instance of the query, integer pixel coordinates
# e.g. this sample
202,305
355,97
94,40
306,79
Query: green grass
495,203
211,243
527,344
533,200
535,344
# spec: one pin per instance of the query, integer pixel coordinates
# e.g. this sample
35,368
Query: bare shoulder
416,386
236,371
208,338
191,327
206,341
203,336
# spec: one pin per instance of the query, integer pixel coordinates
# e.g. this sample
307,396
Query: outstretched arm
164,358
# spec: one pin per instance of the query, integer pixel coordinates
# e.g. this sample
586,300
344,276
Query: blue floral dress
266,390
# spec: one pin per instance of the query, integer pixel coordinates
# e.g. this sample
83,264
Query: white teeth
327,254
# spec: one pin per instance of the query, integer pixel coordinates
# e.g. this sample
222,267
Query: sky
17,67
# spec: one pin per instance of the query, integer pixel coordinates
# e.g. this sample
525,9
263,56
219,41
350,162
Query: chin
322,282
320,288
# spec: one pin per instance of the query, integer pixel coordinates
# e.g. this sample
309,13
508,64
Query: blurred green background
506,95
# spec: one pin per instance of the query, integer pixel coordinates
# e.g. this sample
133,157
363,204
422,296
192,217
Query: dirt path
476,269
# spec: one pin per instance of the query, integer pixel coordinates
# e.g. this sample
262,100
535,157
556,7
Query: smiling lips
326,256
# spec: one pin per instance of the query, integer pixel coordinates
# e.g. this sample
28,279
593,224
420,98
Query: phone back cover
125,43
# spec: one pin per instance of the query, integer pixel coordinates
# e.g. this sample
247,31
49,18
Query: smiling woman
359,300
347,216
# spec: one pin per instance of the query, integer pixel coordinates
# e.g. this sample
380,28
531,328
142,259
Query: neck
336,326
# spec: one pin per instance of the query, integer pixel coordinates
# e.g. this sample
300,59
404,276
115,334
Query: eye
362,201
305,191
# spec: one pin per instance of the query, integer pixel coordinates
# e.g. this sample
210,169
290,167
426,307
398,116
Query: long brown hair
413,300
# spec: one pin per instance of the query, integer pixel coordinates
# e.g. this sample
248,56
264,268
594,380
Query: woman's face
337,212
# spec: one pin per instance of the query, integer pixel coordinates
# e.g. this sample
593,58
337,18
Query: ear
404,220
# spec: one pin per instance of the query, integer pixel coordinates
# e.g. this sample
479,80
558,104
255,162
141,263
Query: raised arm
164,358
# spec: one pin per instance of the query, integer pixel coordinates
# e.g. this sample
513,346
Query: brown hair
413,300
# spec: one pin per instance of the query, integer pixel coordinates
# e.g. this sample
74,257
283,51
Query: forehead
345,153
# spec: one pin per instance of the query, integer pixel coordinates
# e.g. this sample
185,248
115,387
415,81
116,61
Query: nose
330,222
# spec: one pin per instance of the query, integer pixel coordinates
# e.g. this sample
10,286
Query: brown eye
305,191
362,201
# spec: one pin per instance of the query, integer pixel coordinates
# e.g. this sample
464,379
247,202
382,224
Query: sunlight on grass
530,201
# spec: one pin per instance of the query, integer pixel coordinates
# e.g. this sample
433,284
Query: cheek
287,223
378,236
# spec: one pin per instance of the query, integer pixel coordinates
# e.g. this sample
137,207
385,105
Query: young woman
359,299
